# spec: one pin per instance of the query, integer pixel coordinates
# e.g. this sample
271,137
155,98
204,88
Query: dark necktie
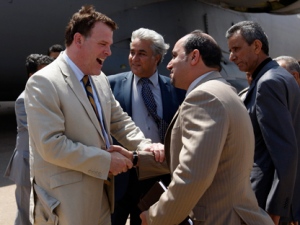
150,104
89,92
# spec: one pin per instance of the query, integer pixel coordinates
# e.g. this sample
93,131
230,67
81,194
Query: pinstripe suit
209,149
127,187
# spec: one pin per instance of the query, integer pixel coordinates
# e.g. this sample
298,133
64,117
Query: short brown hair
84,20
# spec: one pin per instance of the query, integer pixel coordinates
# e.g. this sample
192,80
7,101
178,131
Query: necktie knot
145,81
86,80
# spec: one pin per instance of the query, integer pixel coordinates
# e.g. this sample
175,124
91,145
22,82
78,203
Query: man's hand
275,218
143,218
119,163
158,151
121,150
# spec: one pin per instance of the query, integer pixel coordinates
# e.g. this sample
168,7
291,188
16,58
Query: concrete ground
7,144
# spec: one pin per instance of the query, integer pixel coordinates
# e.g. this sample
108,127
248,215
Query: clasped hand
121,158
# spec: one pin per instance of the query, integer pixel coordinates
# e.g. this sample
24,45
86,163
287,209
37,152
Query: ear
257,45
296,75
157,58
78,39
195,56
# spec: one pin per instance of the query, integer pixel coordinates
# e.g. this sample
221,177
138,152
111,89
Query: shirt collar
78,73
153,79
195,82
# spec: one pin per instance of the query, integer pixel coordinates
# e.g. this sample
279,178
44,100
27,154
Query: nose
232,57
134,57
108,51
169,66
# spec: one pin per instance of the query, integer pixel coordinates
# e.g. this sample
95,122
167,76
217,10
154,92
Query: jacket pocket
44,208
65,178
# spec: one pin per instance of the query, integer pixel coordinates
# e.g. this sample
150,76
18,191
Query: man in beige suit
71,169
209,145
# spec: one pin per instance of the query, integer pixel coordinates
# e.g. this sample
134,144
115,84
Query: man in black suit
273,104
134,90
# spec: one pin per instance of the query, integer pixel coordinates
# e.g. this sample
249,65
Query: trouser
22,194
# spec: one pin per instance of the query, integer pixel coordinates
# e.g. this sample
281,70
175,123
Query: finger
125,169
162,156
129,164
156,155
114,173
115,148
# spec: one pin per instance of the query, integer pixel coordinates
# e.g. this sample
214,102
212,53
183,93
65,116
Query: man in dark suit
273,105
147,49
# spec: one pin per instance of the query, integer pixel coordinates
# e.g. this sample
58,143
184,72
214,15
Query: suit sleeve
149,168
21,113
275,122
203,123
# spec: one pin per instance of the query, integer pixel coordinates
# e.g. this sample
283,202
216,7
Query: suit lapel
127,92
103,98
79,92
168,137
268,66
165,90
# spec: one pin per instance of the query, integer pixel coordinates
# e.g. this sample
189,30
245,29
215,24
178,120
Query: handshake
122,159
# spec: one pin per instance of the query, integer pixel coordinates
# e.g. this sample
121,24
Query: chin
242,69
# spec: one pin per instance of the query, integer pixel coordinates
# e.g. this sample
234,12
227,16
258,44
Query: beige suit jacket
69,163
209,149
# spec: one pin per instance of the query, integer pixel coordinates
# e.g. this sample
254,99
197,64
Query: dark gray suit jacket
273,104
121,85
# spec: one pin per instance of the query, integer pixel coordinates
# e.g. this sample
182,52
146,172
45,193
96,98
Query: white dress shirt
140,114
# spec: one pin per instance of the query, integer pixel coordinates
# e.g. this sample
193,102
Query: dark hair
209,49
55,48
84,20
250,31
33,61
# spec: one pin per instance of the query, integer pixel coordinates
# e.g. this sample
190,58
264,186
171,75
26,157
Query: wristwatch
135,158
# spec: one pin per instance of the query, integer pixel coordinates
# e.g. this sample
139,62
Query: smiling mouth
100,61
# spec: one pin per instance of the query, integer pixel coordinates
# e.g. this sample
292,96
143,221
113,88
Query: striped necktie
89,92
90,95
150,104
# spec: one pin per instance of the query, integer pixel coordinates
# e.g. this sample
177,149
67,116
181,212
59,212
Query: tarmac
8,133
